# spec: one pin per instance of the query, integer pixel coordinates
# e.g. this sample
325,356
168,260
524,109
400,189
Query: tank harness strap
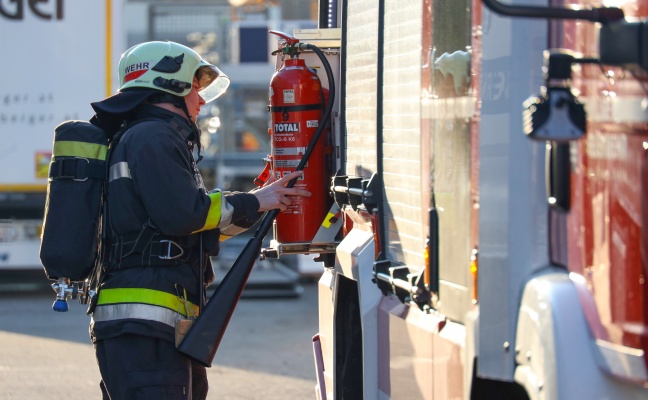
78,169
301,107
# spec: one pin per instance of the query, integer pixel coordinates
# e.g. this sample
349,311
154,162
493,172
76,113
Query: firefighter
161,223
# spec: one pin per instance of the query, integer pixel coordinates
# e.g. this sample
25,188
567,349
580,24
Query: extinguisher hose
266,222
327,110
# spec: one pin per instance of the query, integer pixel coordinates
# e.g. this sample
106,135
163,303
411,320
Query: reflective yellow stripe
327,220
146,296
214,214
80,149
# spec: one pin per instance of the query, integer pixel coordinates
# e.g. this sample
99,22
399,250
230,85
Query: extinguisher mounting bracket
355,191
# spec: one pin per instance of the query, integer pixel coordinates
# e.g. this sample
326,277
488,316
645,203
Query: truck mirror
556,115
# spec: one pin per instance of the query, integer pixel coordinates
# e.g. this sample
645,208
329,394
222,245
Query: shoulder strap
116,137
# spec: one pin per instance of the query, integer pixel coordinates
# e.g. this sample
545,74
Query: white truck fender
556,354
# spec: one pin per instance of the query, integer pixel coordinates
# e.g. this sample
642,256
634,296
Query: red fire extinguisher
296,105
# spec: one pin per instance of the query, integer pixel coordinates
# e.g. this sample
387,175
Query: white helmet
170,67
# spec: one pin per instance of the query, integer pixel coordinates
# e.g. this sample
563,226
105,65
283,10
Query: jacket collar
176,121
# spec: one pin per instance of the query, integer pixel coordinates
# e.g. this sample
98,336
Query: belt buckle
168,256
87,164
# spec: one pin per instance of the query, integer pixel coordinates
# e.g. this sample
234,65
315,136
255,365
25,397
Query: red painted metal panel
608,223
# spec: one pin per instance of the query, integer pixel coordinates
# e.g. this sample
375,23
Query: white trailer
58,56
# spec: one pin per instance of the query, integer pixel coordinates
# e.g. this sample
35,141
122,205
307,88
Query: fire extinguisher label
279,175
287,127
289,96
311,124
289,151
286,163
286,137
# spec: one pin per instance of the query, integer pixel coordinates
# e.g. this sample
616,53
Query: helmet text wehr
136,67
134,71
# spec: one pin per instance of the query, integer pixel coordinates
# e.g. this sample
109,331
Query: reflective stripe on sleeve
80,149
220,212
119,170
214,214
146,297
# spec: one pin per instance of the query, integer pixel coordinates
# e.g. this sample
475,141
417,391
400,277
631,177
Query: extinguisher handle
265,174
289,39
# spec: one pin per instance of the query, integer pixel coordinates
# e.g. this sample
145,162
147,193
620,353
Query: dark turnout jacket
158,210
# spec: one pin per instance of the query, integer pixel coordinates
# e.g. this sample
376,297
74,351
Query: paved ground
265,354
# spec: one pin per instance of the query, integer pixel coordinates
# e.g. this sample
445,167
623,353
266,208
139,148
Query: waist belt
164,249
148,247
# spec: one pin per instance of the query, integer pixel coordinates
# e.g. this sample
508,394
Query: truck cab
488,250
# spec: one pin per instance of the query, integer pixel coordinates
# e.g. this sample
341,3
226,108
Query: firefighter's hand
275,194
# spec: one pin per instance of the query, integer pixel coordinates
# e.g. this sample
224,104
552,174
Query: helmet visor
212,81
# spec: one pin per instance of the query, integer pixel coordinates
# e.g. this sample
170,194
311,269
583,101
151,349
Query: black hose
602,14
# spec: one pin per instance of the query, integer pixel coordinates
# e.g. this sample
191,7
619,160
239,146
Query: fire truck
488,199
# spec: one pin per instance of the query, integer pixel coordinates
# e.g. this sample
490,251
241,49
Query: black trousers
135,367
